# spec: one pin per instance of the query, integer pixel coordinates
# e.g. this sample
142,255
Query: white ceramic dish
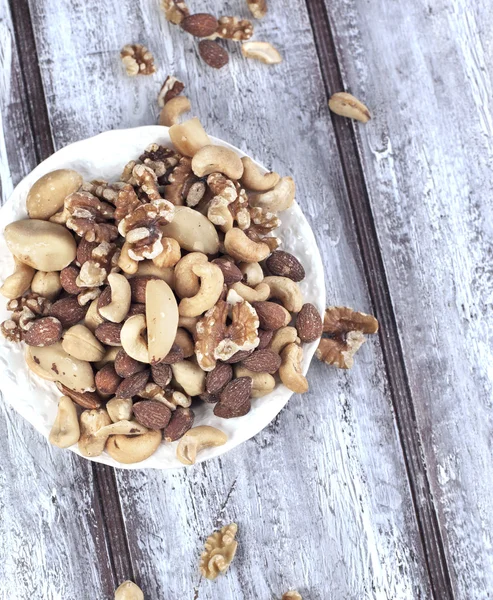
103,157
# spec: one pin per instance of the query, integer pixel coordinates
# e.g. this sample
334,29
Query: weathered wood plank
425,72
328,473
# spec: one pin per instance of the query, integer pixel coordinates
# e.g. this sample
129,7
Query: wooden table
378,482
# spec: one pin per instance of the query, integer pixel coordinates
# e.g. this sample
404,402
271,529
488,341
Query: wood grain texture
425,72
321,495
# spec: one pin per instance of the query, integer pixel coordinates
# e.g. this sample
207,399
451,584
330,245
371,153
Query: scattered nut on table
128,590
220,549
261,51
346,105
138,60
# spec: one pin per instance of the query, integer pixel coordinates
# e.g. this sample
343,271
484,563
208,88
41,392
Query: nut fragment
220,549
213,54
128,590
175,10
75,374
258,8
19,282
161,319
173,109
119,409
195,440
234,28
346,105
290,371
172,87
117,309
46,284
79,341
291,595
137,59
65,431
190,377
193,231
262,51
133,449
262,383
91,421
188,137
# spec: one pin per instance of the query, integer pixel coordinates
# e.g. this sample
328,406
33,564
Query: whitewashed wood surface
321,496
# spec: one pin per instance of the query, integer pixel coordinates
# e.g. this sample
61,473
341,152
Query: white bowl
103,157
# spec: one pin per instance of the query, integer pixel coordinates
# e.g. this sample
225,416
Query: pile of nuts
143,296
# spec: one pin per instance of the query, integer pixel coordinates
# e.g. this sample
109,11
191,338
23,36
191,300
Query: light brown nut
291,595
43,332
284,264
234,28
341,319
133,385
85,399
220,214
109,333
200,25
187,284
258,294
193,231
133,449
181,421
80,342
46,284
42,245
258,8
217,159
263,361
175,11
132,337
188,137
147,267
74,373
170,255
36,369
271,315
161,374
340,351
46,196
126,263
109,357
126,366
290,371
190,377
188,323
220,549
152,414
125,427
282,337
68,311
262,383
262,51
254,180
211,287
346,105
218,378
161,319
65,431
19,282
137,59
280,198
309,323
128,590
234,400
253,273
196,439
118,307
171,88
91,421
107,379
238,245
173,109
119,409
213,54
286,291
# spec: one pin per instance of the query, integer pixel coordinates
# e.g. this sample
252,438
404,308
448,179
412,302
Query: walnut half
138,60
220,549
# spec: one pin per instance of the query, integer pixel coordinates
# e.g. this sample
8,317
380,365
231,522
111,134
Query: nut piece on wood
233,28
258,8
346,105
171,88
137,59
175,10
128,590
220,549
213,54
292,595
200,25
262,51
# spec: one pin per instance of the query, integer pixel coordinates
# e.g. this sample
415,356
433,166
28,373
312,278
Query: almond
104,298
174,355
126,366
133,385
152,414
209,398
283,264
271,316
234,400
213,54
89,400
107,380
263,361
181,421
68,277
138,288
84,251
161,374
238,357
68,311
265,338
136,309
218,378
43,332
231,272
109,333
309,323
200,25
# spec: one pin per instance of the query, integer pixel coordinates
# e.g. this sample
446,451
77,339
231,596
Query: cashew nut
124,427
187,284
192,230
93,318
217,159
133,449
65,431
254,180
219,213
188,137
110,356
190,377
19,282
91,421
128,591
195,440
188,323
287,291
35,368
170,255
211,287
257,294
119,409
161,319
80,342
278,199
126,263
132,339
75,374
262,383
281,338
147,267
242,248
121,295
173,109
185,342
262,51
290,369
46,284
252,273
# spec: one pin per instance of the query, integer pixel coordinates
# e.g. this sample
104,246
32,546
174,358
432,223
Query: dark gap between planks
402,400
